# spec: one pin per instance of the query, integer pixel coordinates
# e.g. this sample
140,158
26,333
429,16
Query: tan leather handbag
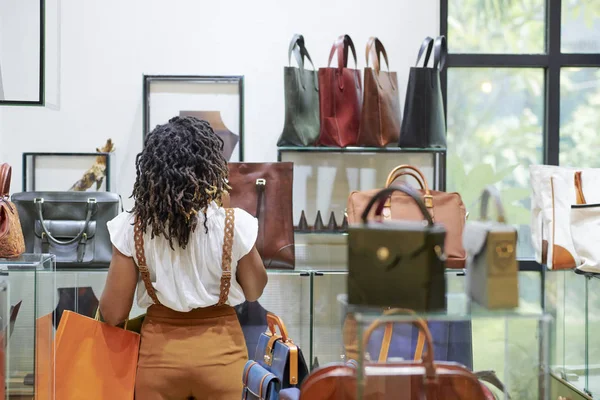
445,208
12,243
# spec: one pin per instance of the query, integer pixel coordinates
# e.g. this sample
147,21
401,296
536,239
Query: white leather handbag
585,229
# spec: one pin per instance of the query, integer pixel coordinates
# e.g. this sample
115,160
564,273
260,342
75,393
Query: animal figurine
97,172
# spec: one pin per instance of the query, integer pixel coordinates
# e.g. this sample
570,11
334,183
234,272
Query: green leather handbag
301,87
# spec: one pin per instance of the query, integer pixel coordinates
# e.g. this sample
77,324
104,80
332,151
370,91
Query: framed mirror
22,52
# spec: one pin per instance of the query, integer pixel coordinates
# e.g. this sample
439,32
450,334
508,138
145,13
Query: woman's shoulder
122,220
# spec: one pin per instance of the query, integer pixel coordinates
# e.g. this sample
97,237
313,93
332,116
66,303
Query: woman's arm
117,297
252,275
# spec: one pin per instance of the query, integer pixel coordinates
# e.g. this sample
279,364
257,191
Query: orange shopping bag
44,358
94,361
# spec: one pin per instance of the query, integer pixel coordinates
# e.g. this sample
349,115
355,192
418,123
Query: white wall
98,51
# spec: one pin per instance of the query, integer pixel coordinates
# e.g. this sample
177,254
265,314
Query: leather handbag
444,208
413,379
12,242
380,116
70,225
259,383
279,355
265,191
492,269
301,85
340,97
397,263
424,123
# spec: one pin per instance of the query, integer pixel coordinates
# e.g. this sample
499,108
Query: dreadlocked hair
180,171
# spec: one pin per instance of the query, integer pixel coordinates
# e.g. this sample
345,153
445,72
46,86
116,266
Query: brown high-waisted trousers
195,355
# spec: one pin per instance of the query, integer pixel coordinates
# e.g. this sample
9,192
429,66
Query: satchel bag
259,383
492,268
302,125
444,208
279,355
265,191
12,242
380,117
397,263
70,225
424,123
340,97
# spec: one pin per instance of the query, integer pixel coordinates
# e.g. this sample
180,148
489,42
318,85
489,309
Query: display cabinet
574,301
31,296
513,344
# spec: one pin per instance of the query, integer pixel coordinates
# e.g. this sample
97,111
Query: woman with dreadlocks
196,260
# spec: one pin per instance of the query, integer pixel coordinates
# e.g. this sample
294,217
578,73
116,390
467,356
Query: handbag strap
427,45
226,257
579,188
80,237
138,235
341,45
5,177
491,191
440,51
299,49
374,50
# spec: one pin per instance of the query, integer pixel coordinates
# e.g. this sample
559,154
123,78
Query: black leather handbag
301,87
397,263
424,123
70,225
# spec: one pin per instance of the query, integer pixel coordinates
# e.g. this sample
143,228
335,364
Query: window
522,86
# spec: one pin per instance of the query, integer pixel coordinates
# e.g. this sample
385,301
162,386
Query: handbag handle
39,202
407,173
421,325
580,198
299,49
341,45
389,330
274,321
401,170
383,194
427,45
440,51
488,192
374,50
5,177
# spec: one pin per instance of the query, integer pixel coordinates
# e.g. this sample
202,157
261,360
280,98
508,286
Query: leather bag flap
476,234
261,383
65,229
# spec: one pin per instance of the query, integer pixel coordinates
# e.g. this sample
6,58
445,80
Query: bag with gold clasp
492,268
12,243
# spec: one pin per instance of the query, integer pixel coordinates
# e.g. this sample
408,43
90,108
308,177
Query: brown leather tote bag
12,242
445,208
340,97
265,191
380,117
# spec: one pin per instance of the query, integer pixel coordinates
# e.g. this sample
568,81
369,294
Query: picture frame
62,171
22,77
219,99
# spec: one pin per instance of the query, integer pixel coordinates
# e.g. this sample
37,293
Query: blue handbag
259,384
279,355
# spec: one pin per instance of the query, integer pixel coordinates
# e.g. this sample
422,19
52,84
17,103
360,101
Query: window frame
552,62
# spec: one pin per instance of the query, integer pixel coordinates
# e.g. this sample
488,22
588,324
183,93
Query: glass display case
511,344
31,297
574,301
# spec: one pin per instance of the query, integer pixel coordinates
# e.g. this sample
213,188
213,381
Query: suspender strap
226,258
225,261
138,236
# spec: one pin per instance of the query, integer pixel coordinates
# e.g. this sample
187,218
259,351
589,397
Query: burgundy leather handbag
340,98
265,191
